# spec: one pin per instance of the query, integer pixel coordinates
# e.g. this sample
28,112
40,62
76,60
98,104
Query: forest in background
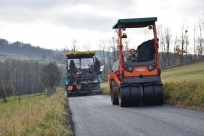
19,77
29,51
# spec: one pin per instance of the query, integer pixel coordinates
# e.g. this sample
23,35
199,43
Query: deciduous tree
74,45
51,75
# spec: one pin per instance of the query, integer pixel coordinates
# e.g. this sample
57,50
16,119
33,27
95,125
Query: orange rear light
117,72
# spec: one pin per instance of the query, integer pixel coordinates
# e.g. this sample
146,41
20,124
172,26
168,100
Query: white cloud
53,24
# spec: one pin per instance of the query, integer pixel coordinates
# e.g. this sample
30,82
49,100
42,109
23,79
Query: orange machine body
135,77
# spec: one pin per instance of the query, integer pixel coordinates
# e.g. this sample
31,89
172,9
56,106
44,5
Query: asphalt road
95,116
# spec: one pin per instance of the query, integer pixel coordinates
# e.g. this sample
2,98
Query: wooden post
19,98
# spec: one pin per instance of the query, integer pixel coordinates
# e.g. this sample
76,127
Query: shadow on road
93,92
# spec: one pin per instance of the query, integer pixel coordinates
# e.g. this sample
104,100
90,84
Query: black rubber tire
148,94
124,97
114,93
69,94
135,95
158,94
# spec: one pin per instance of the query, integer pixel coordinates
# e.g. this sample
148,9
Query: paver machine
86,62
135,77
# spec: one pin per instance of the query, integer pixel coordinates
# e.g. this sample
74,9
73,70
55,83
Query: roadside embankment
36,116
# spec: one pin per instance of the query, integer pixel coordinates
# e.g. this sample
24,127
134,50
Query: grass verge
40,115
105,88
186,94
184,73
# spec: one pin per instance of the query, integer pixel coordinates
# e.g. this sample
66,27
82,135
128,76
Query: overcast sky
53,24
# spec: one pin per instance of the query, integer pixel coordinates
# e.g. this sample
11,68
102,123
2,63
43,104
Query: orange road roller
135,78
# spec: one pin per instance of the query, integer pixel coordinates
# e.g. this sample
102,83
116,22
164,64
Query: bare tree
186,45
114,48
159,31
109,56
126,45
102,47
3,92
163,48
74,45
183,35
87,47
200,39
176,53
194,41
168,36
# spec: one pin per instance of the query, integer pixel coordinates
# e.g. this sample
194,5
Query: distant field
185,73
4,56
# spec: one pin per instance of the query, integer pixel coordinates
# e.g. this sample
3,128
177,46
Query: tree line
27,77
28,50
183,52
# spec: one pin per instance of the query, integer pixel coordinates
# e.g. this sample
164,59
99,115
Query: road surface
95,116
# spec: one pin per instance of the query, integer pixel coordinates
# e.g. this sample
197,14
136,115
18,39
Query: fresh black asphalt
96,116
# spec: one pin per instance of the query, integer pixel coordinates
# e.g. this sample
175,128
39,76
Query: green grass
185,94
185,73
184,86
39,115
14,106
16,98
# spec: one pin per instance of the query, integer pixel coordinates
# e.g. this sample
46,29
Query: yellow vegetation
186,94
39,115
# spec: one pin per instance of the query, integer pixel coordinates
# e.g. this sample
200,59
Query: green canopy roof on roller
135,22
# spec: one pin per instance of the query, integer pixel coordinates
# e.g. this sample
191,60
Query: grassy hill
184,86
184,73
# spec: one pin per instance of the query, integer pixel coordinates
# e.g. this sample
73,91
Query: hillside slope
184,73
184,86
